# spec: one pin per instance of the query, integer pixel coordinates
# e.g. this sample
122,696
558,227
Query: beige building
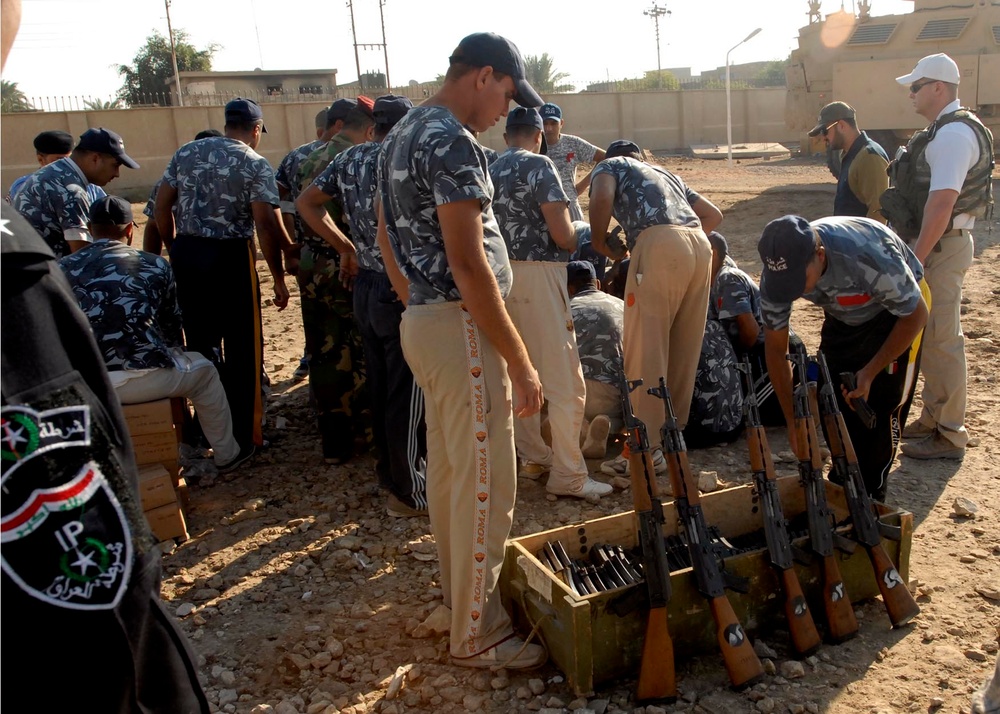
210,88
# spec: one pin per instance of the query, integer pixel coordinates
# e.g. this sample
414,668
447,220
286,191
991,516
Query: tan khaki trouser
943,358
666,303
602,399
538,305
471,470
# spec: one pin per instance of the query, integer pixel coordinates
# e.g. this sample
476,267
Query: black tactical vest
910,176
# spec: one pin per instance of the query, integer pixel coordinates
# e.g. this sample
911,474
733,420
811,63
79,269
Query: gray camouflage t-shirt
598,319
429,160
54,199
717,402
351,181
647,196
734,293
216,180
868,269
568,153
522,182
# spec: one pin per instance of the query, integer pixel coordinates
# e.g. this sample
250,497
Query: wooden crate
592,644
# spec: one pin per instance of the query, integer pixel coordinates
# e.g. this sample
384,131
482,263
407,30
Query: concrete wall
655,120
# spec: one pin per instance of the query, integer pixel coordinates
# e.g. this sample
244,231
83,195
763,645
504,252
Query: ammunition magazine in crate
598,637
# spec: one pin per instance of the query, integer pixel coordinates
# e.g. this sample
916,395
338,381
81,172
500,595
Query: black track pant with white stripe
398,428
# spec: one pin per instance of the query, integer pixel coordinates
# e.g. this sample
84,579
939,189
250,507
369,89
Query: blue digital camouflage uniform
598,319
567,154
443,163
336,362
734,293
869,269
647,196
137,333
871,279
351,181
522,182
54,199
95,192
217,180
717,404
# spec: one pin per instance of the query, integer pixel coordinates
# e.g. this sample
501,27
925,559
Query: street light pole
656,12
729,101
173,56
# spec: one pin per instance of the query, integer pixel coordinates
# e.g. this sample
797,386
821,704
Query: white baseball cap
940,67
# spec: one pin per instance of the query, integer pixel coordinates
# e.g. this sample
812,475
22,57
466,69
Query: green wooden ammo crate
592,644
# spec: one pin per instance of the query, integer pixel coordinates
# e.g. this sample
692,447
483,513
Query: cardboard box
156,487
149,417
167,522
183,495
592,644
158,447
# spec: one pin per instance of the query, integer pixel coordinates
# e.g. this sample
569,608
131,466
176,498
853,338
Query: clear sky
71,47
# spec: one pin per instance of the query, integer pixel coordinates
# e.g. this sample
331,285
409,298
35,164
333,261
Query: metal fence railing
415,92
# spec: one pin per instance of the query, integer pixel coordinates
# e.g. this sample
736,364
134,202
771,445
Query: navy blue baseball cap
389,109
524,116
719,243
580,269
623,147
486,49
105,141
111,210
339,109
786,248
550,111
245,110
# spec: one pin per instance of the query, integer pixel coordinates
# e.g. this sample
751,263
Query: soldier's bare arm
709,215
779,369
602,197
937,213
462,231
399,282
900,337
163,212
556,215
272,237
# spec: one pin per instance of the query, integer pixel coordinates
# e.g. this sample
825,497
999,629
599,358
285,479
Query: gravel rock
536,686
766,705
437,623
184,609
791,669
763,650
964,508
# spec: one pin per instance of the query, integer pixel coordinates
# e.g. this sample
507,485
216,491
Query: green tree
13,99
145,79
666,80
541,73
96,105
772,75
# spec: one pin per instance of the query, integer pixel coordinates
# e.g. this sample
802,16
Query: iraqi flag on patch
69,545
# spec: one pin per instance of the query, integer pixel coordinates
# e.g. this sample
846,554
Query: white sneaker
590,487
618,466
512,653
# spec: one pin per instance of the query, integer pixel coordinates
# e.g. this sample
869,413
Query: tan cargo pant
666,304
471,468
538,305
943,359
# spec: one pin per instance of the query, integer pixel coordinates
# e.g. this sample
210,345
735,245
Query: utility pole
370,45
173,56
656,12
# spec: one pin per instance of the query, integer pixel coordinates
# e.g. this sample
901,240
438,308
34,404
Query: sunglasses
826,129
917,86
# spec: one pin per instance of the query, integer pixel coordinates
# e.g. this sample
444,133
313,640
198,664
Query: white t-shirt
953,151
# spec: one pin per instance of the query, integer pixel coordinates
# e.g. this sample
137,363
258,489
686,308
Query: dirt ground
300,595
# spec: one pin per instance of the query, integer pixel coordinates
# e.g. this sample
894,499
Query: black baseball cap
339,109
719,243
245,110
623,147
786,248
830,114
111,210
550,111
389,109
105,141
54,142
580,270
487,49
524,116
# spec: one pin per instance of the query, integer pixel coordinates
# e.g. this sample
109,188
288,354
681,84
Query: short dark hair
520,131
207,134
851,122
358,119
108,230
382,131
246,126
458,69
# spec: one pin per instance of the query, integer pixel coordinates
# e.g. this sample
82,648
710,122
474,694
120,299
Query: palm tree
13,99
542,75
96,105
